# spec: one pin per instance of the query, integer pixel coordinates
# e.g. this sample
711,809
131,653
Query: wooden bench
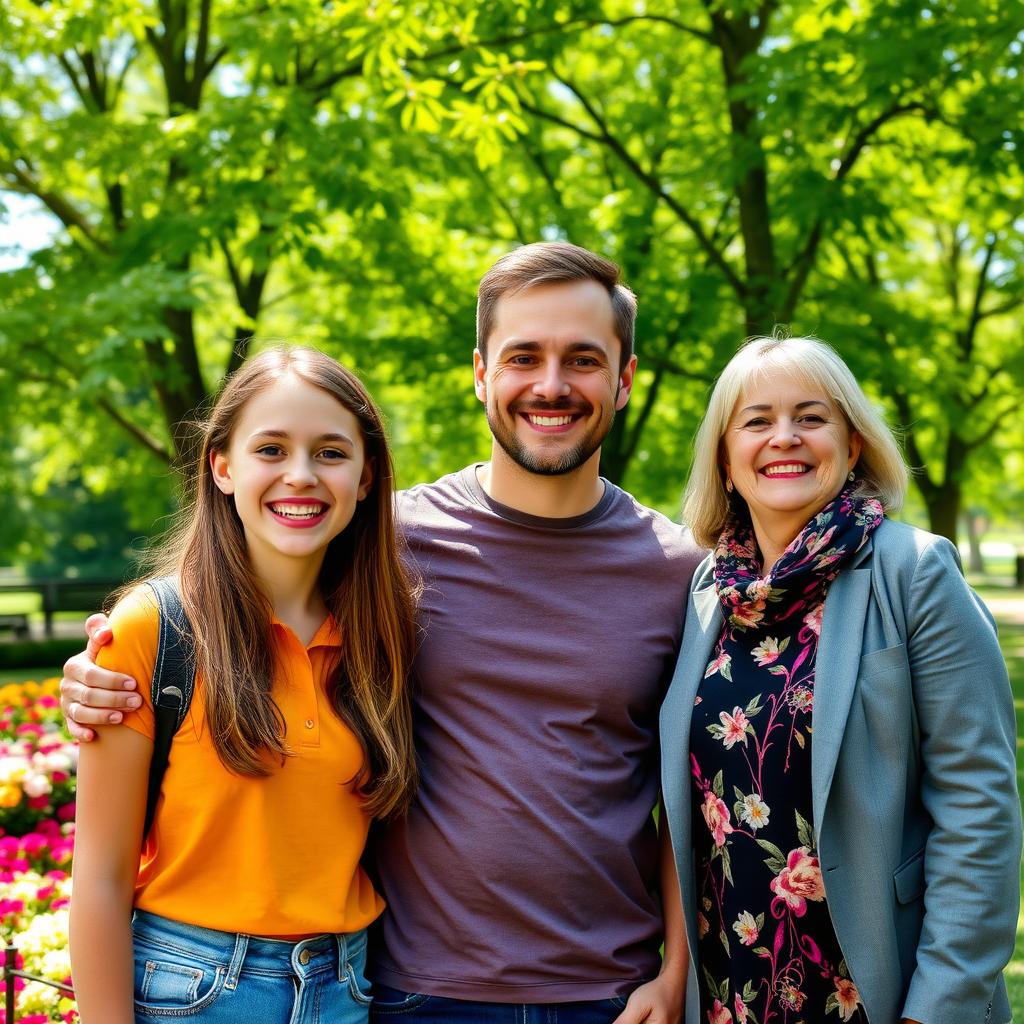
16,624
73,596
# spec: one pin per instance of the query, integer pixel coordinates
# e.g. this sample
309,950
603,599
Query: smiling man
527,884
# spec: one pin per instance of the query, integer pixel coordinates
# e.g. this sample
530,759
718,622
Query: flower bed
37,785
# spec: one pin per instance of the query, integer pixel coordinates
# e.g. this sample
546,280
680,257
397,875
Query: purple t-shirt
526,869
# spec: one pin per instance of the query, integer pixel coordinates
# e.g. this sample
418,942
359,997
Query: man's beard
549,465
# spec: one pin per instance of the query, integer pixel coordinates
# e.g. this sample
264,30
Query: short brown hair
554,263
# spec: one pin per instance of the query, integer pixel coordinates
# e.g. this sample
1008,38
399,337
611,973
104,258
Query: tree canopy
226,172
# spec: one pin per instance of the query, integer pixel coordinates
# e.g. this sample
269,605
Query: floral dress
767,951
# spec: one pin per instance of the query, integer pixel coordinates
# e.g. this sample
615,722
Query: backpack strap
174,678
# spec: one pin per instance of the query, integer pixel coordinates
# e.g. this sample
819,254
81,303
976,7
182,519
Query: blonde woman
838,740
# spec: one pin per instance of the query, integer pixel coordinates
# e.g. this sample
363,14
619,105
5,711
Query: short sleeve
135,622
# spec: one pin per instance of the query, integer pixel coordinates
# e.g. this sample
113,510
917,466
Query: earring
728,484
850,476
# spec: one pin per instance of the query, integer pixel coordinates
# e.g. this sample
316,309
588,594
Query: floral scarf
790,597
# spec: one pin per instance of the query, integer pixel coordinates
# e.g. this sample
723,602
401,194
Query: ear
856,447
366,479
221,472
479,375
625,386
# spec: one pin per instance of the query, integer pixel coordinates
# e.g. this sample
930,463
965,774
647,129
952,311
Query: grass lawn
1011,635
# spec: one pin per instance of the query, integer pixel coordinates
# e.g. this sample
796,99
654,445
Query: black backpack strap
174,678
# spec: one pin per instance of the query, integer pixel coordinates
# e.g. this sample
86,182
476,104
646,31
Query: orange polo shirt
277,855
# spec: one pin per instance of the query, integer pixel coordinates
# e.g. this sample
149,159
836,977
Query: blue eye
332,454
270,450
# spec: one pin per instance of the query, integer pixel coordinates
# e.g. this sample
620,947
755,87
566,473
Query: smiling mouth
556,420
785,469
539,420
298,513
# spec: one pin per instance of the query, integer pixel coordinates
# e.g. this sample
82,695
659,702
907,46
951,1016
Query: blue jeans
186,972
391,1006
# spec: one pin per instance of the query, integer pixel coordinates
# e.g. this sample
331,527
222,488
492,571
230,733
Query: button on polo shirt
277,855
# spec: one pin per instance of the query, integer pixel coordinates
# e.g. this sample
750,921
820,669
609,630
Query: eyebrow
799,405
525,345
341,438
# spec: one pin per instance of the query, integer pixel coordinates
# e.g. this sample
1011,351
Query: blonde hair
880,469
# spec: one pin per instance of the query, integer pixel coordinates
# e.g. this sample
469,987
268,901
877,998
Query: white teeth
794,467
549,421
298,511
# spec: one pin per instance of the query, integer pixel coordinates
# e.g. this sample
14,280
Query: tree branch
511,38
924,481
998,421
979,293
136,431
605,138
800,266
68,215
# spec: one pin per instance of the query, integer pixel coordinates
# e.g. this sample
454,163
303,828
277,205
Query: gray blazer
913,780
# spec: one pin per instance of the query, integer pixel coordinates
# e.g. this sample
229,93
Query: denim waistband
236,952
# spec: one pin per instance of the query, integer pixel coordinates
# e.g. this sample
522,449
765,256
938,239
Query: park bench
72,596
16,624
58,595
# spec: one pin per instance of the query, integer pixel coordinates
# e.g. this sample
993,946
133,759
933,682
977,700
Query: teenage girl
249,902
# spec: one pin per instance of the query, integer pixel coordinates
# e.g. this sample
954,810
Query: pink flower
735,728
848,996
721,664
718,1014
703,927
812,620
741,1009
716,814
800,880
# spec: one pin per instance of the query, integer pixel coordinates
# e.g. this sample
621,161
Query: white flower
37,785
767,652
754,811
59,761
13,768
746,928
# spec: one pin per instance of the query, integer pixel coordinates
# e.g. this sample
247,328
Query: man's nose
552,382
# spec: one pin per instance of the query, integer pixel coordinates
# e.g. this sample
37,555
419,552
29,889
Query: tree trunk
976,522
614,457
944,509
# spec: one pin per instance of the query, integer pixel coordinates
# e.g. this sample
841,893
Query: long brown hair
363,583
